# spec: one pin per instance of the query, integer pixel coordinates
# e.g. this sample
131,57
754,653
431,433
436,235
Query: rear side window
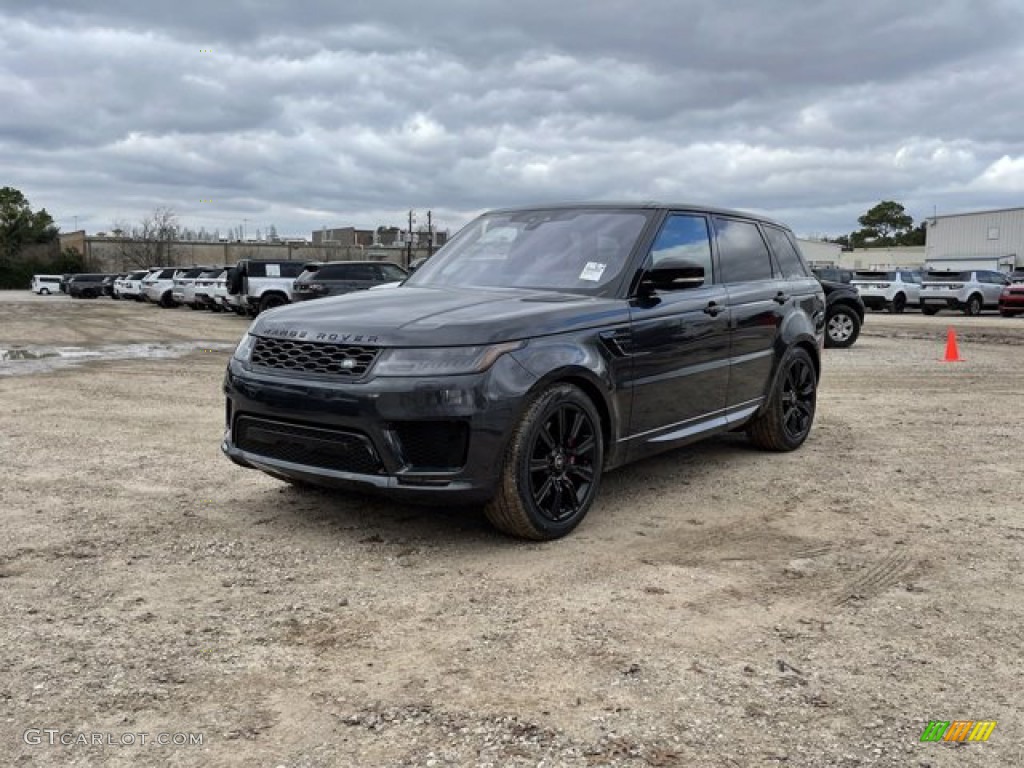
341,272
743,255
684,236
391,272
785,252
274,269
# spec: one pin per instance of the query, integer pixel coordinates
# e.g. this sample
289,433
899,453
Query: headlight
243,351
441,361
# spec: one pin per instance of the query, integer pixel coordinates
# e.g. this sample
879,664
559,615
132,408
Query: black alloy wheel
561,469
785,420
799,391
552,468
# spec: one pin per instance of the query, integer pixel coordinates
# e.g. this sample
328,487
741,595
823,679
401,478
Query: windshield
576,250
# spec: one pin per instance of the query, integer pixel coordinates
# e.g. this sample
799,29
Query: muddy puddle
39,359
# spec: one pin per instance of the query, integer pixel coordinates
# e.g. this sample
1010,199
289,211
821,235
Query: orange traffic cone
952,351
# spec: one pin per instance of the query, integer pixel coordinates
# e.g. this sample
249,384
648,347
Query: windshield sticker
273,270
593,271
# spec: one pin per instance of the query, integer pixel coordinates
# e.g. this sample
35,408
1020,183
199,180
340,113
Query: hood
438,317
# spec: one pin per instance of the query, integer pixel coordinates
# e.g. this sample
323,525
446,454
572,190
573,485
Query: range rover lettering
538,349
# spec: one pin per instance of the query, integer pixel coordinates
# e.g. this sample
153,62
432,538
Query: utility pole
430,234
408,249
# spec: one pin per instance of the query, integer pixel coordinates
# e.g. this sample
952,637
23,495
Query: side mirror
673,274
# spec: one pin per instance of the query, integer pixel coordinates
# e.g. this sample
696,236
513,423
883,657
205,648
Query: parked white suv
262,285
893,289
130,286
968,291
183,288
158,286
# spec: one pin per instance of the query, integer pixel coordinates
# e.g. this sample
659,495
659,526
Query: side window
684,236
785,252
362,272
742,252
291,268
255,269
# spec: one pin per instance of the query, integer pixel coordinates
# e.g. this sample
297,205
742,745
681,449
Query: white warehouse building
979,240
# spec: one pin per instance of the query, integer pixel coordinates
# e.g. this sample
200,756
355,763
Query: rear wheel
973,306
552,467
842,327
785,420
898,304
272,300
44,291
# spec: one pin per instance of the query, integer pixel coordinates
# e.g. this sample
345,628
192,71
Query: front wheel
973,306
552,467
899,303
44,291
785,419
842,327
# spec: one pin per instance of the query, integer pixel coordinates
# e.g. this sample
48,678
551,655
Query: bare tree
154,241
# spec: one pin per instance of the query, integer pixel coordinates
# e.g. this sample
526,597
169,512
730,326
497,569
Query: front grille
312,446
433,444
347,360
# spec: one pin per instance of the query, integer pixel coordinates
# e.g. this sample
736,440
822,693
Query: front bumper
1011,303
433,440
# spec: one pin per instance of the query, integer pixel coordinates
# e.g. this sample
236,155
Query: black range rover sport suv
538,349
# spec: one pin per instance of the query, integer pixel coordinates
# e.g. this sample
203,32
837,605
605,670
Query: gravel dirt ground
719,607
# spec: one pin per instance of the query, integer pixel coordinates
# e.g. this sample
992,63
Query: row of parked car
249,287
967,291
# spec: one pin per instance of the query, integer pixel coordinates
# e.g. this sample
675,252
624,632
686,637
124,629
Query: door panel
680,350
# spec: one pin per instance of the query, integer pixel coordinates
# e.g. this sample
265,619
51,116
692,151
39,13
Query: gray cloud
333,114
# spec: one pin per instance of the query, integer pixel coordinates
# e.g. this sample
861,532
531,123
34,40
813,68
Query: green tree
20,225
885,224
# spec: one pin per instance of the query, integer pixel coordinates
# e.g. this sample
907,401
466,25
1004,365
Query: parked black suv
86,286
535,350
332,278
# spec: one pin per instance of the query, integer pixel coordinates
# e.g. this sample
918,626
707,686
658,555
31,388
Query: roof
641,205
975,213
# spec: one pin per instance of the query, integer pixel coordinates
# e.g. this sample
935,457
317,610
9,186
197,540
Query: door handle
713,309
781,298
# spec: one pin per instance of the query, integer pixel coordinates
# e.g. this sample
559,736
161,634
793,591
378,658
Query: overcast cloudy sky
313,113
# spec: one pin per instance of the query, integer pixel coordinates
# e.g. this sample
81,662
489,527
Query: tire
973,306
898,304
928,310
842,327
167,300
272,300
552,468
785,420
44,291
